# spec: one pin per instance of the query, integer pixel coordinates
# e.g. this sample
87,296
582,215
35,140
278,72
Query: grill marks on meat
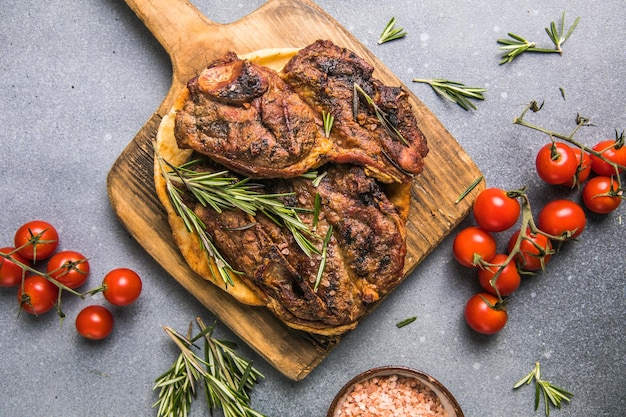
325,75
263,124
365,256
246,118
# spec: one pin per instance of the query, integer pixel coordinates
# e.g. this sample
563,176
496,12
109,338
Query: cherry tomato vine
563,161
40,288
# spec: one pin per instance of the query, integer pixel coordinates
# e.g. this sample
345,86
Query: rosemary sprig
558,37
380,114
227,378
391,32
551,393
194,224
328,119
221,192
318,178
516,45
320,270
455,91
405,322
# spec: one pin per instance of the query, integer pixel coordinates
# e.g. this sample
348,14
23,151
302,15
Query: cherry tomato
94,322
36,240
484,314
600,195
495,211
122,286
37,295
583,170
507,282
535,250
70,268
10,273
608,151
562,218
473,243
556,163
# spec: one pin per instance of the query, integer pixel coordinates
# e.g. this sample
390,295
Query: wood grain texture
192,41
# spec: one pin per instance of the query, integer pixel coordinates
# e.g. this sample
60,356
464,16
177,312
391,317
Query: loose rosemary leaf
390,32
455,91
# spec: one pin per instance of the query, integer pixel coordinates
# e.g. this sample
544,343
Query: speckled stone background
78,79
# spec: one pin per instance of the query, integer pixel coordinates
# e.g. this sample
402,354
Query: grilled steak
385,139
246,118
365,256
267,125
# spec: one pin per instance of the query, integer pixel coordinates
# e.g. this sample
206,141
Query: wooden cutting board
192,40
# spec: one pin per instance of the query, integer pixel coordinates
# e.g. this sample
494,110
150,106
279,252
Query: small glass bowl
447,400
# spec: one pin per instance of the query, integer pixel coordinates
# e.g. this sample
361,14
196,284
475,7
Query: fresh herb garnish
380,114
455,91
405,322
221,192
516,45
551,393
468,189
227,378
316,210
194,224
391,32
320,270
328,119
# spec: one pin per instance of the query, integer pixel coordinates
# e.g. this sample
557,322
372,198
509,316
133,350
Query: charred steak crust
365,256
324,75
266,125
263,124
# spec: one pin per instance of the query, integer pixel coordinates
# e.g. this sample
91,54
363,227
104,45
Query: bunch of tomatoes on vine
595,171
42,275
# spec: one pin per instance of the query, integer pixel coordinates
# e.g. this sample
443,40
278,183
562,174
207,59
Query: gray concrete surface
79,79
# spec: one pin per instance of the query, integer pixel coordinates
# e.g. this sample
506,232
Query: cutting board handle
172,22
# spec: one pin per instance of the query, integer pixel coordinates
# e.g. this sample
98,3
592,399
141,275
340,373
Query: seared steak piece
365,256
331,79
246,118
249,119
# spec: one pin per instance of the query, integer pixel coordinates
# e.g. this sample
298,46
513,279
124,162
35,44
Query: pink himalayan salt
390,396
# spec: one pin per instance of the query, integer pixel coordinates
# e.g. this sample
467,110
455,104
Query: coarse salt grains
390,396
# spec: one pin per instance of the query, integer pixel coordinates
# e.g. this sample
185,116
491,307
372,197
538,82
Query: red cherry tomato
484,314
36,240
473,243
495,211
556,163
37,295
535,251
70,268
562,218
11,273
583,170
122,286
507,282
600,195
94,322
608,151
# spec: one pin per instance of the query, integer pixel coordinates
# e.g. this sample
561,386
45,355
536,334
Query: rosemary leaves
515,45
455,91
552,395
227,378
391,32
380,114
220,191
